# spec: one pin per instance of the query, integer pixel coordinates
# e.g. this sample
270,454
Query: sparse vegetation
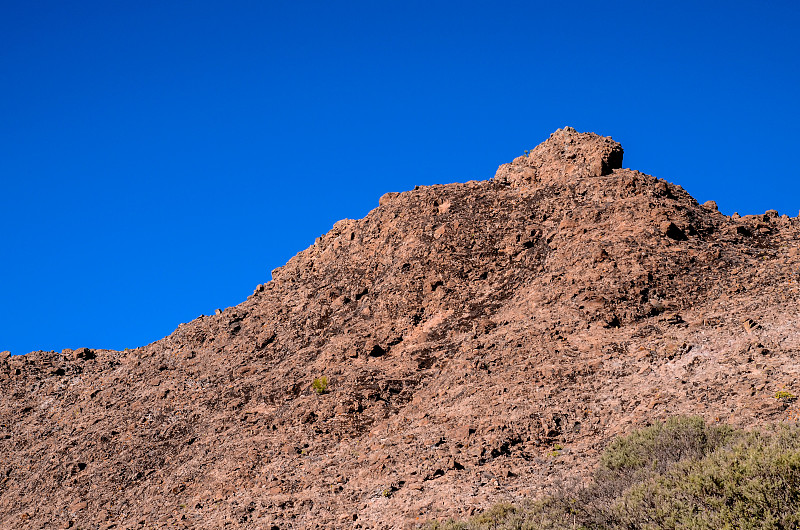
785,395
679,474
320,385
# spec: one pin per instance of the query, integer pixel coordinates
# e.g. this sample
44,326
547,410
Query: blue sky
159,159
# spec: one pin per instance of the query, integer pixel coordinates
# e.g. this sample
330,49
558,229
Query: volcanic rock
466,331
567,155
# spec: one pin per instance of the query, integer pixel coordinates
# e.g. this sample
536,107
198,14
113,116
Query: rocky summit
462,345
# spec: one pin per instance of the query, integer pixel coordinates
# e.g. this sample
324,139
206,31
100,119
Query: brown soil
466,331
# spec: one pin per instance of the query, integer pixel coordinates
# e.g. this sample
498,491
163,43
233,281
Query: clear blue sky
159,158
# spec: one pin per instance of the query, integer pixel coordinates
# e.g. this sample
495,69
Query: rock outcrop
481,342
565,156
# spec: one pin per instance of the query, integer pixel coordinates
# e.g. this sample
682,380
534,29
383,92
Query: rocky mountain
463,344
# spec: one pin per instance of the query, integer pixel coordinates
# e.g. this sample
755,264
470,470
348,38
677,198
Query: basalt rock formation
480,342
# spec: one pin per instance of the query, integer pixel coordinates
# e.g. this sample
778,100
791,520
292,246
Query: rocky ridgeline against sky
481,342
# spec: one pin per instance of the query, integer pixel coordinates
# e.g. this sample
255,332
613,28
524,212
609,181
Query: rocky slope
481,342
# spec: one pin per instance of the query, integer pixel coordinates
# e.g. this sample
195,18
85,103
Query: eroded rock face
465,331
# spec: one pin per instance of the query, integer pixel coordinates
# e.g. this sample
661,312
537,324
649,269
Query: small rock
178,489
83,354
484,325
462,433
711,205
78,506
749,325
386,198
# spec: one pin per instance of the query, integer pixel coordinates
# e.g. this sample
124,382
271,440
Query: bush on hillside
679,474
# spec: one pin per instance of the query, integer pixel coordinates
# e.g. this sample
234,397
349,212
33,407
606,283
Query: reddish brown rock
565,156
466,332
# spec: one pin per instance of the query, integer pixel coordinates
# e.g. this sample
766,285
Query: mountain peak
461,345
566,155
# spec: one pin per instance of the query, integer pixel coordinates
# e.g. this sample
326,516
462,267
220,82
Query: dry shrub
679,474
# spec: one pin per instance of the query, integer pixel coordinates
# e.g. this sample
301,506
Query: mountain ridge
465,331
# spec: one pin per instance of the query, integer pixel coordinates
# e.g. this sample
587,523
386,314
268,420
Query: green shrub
655,449
320,385
678,474
755,483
